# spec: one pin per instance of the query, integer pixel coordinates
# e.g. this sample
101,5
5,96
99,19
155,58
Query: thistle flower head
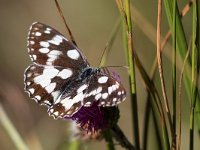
90,118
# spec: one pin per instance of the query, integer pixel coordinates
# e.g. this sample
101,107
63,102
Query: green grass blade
174,77
12,132
182,47
195,70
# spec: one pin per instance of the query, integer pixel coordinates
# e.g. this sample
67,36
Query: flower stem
121,138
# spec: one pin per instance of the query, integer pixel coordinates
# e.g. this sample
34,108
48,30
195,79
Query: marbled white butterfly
61,77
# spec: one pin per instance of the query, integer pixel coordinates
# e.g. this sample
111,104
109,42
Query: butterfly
61,78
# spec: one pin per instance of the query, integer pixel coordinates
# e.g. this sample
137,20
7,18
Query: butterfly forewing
56,62
49,47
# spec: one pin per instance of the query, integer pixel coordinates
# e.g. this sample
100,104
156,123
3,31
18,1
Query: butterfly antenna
126,67
104,55
63,18
106,70
110,42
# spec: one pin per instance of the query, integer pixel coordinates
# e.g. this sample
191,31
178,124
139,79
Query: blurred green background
91,22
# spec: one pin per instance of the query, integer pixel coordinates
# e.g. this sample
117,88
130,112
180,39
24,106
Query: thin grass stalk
132,75
12,131
195,68
179,99
66,25
149,106
150,31
148,113
159,58
125,12
116,131
142,20
174,77
156,104
110,42
182,50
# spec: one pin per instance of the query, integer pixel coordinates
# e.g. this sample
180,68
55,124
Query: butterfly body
61,77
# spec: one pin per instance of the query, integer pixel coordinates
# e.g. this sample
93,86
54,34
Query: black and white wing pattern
100,87
56,62
62,79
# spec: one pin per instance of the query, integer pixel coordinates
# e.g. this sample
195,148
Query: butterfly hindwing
46,83
105,89
101,88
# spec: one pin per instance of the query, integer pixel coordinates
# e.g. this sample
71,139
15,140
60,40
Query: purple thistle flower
95,118
91,118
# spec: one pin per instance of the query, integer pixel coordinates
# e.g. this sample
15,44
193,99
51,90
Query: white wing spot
48,29
32,90
119,93
104,95
65,73
51,111
103,79
50,72
55,95
82,88
87,104
42,80
46,102
47,32
44,50
110,90
56,40
38,34
50,87
31,42
63,101
102,103
34,57
51,59
98,96
115,87
56,113
78,98
114,99
36,28
29,75
38,97
55,52
73,54
99,89
44,44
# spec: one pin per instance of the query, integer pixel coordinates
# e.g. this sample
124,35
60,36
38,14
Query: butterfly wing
101,88
45,83
46,46
105,89
56,62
